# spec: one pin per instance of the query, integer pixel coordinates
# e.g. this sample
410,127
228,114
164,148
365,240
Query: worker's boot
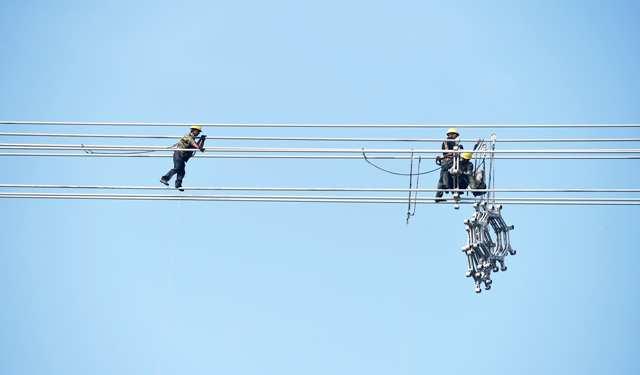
179,186
439,198
162,180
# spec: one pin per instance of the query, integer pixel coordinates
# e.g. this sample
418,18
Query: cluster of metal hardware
483,254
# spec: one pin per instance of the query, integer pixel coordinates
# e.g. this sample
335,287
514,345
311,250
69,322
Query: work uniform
466,174
445,181
179,159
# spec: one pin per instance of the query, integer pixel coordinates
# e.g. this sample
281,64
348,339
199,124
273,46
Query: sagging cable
395,173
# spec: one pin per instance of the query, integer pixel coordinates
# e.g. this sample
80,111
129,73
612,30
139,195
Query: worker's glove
201,149
438,160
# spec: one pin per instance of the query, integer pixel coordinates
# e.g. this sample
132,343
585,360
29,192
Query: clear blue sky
271,288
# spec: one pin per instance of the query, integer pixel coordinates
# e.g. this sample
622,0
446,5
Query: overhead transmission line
61,147
322,198
319,125
335,157
314,139
317,199
261,152
137,151
33,186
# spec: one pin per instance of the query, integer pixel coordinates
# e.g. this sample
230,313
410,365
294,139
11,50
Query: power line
102,151
92,135
316,125
401,200
315,189
336,157
329,197
62,147
315,139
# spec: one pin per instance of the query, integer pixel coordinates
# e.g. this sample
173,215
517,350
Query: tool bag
477,182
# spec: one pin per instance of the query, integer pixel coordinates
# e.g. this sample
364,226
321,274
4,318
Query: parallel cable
317,198
232,188
316,125
315,139
82,147
586,201
334,157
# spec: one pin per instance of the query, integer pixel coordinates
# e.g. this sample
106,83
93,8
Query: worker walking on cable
181,157
446,162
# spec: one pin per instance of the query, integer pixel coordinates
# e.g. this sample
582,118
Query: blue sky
293,288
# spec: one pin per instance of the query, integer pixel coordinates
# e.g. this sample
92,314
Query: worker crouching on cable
446,162
466,170
181,157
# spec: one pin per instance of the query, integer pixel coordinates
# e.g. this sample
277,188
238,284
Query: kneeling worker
181,157
466,170
465,176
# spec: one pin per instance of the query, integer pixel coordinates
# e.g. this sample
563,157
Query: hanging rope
478,163
493,170
404,278
164,320
415,202
410,182
492,196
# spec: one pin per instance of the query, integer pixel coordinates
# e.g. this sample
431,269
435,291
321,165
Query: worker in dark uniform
181,157
446,162
466,170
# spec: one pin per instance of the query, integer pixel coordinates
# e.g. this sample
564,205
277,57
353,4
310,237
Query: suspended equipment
483,254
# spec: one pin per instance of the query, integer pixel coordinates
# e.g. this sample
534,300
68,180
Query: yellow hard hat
453,130
467,155
196,127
